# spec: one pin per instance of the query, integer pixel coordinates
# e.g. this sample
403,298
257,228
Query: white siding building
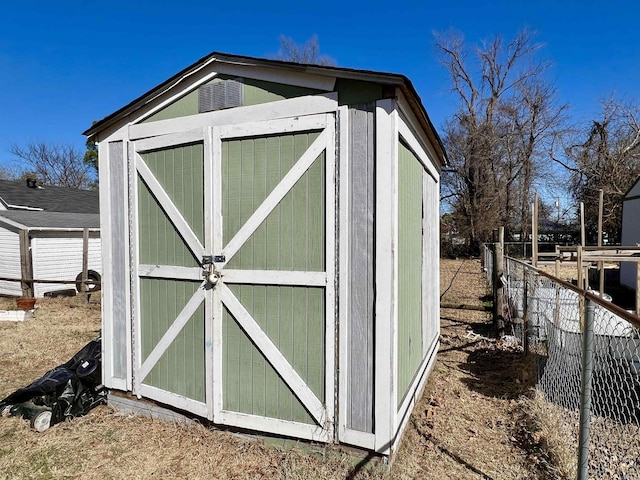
55,244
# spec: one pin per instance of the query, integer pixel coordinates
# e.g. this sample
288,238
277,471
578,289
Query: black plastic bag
67,391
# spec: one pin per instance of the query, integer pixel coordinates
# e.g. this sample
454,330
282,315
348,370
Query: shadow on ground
499,373
496,369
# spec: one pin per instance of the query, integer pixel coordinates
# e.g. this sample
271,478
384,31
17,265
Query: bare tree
61,165
605,155
308,53
8,173
498,138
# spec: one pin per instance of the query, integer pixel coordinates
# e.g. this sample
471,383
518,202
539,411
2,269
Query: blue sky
64,64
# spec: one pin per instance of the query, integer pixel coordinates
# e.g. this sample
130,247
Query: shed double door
234,289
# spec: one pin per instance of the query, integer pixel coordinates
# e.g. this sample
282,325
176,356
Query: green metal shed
271,248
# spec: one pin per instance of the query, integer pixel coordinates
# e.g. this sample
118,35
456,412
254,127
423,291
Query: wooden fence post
498,274
85,262
582,232
525,310
26,270
600,264
581,303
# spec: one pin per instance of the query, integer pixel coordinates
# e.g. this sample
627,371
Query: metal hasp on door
235,287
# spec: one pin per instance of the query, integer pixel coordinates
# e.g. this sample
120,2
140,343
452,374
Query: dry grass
548,428
467,425
464,427
109,445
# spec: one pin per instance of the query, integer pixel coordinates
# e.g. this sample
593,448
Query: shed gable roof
296,71
16,195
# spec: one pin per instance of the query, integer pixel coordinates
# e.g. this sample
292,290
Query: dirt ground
470,422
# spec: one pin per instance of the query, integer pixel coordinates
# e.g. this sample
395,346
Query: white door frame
214,298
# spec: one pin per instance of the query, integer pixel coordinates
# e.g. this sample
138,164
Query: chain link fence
587,359
486,260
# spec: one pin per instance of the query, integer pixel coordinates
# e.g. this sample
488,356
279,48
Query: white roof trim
24,207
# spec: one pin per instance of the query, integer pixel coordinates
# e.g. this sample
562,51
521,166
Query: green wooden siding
409,268
258,91
159,241
292,237
255,92
180,171
186,105
181,369
293,318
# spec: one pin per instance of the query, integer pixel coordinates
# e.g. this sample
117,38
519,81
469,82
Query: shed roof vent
220,95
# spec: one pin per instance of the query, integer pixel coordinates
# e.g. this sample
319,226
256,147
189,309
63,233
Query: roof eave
421,112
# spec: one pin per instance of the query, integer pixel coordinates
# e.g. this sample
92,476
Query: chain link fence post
498,275
585,391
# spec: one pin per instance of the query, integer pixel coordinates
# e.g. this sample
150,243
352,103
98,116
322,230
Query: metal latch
209,271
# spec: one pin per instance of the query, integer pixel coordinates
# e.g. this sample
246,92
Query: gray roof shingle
49,198
54,220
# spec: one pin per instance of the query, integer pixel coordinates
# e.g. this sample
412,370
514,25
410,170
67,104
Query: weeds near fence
586,409
548,427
